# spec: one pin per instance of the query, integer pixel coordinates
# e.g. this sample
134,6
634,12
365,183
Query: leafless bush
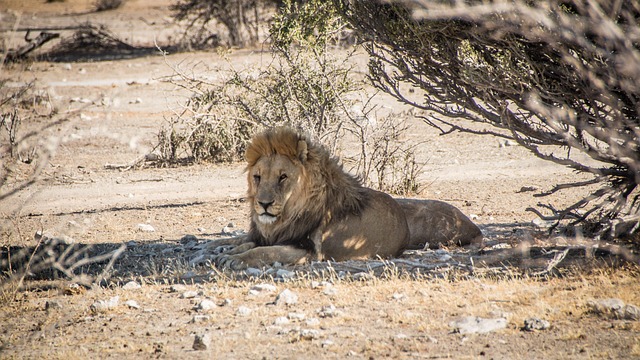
305,86
26,114
558,77
244,21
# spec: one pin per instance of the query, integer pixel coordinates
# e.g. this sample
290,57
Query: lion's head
290,181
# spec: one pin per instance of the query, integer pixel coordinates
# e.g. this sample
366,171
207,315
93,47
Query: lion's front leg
262,256
221,246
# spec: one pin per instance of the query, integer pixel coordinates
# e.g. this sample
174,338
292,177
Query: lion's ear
302,151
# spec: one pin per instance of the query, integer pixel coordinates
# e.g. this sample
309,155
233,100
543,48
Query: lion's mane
328,192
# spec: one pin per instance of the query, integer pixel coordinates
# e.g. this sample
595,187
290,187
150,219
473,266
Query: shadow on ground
510,251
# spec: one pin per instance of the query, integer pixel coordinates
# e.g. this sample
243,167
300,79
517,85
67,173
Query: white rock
101,306
329,311
205,305
309,334
330,291
264,288
146,228
177,288
296,316
244,311
282,320
327,343
286,297
312,322
132,304
190,294
253,272
131,285
477,325
285,274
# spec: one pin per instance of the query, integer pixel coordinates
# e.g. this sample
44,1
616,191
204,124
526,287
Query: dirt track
116,109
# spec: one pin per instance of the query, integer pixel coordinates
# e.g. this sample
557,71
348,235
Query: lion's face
273,181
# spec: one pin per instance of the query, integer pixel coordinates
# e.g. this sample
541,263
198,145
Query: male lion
305,207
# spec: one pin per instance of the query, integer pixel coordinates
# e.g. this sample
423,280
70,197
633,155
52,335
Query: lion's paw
232,262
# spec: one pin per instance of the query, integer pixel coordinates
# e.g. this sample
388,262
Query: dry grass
381,317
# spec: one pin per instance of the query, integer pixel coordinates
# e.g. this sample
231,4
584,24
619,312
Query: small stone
264,288
286,297
614,308
533,324
327,343
477,325
132,304
312,322
177,288
282,320
330,291
244,311
52,304
205,305
398,296
362,276
329,311
309,334
146,228
200,318
444,258
189,294
296,316
285,274
131,285
201,341
102,306
253,272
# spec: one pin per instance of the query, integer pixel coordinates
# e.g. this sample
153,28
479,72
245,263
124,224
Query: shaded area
97,43
185,260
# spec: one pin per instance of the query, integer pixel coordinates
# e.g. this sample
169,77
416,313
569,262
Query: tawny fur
328,190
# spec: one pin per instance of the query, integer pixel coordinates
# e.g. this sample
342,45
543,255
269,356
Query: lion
304,206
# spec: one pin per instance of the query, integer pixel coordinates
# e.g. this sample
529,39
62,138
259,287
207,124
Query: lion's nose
265,205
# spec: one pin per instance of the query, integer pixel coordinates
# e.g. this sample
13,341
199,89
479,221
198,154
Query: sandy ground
81,196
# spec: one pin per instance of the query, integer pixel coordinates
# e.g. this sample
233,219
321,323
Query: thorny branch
558,77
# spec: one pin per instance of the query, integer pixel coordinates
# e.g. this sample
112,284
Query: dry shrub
309,84
26,117
242,22
558,77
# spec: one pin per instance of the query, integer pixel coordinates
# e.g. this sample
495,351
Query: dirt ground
115,108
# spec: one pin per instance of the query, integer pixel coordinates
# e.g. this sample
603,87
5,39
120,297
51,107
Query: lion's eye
256,178
283,177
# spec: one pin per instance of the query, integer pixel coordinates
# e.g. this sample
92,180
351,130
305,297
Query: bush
309,85
243,21
558,77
